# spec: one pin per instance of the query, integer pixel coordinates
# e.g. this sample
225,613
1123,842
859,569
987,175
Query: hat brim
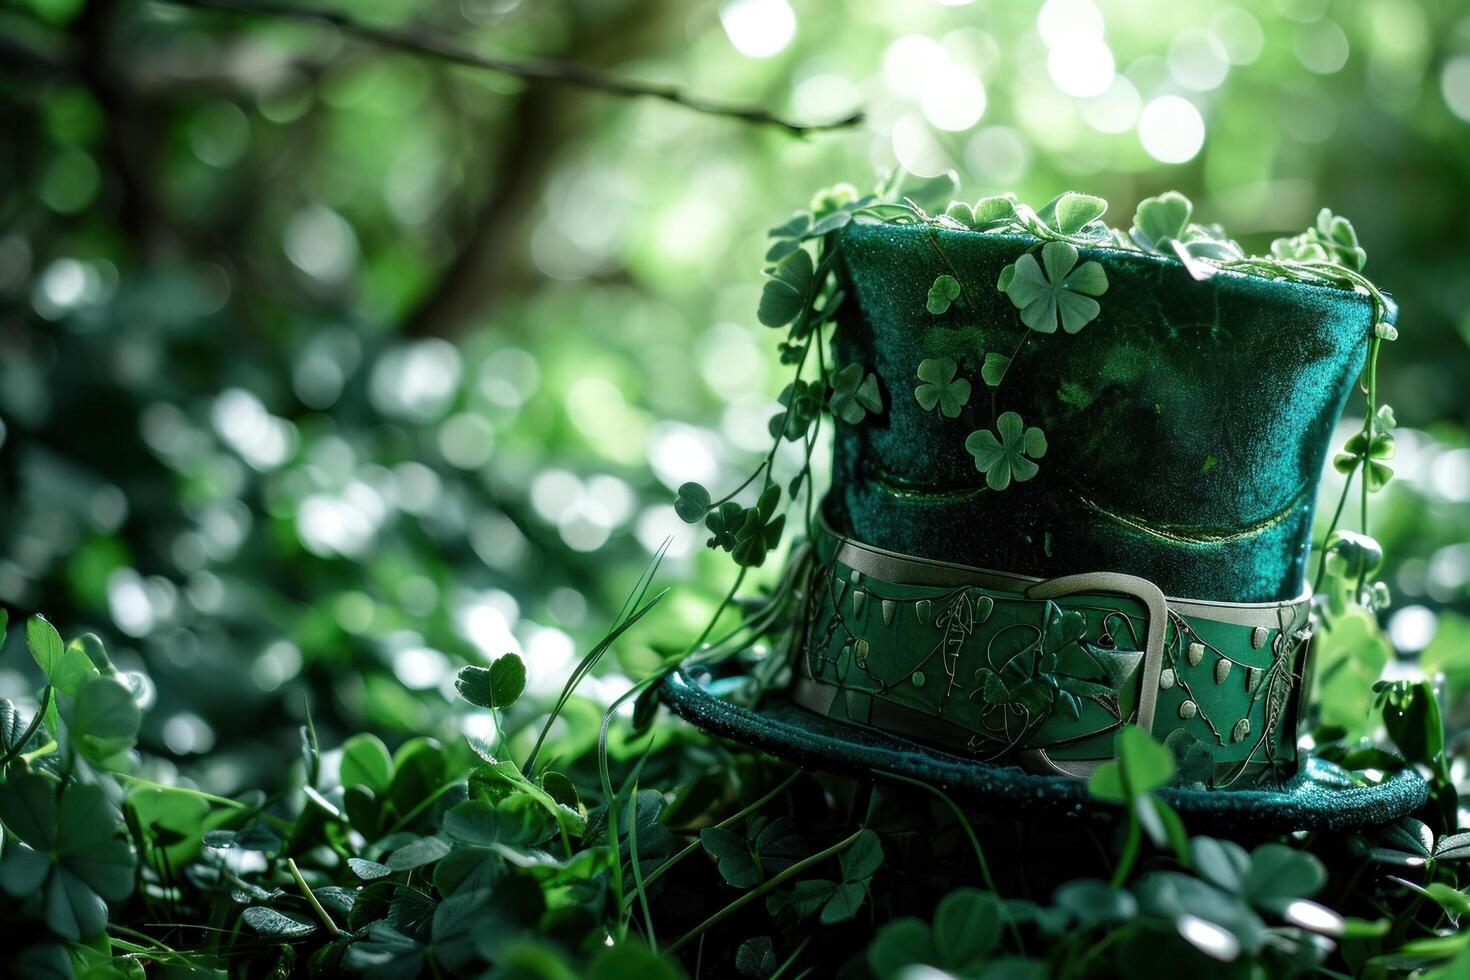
1322,796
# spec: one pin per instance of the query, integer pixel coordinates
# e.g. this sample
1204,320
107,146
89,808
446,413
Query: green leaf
1279,873
946,290
692,503
900,944
384,953
941,387
788,290
1056,289
854,394
496,686
366,762
1452,900
1073,211
756,957
276,925
45,643
368,870
1004,456
862,858
1148,766
1453,847
846,899
417,853
629,959
966,929
104,721
1159,220
507,679
735,862
1221,862
500,779
961,212
809,895
993,371
1093,902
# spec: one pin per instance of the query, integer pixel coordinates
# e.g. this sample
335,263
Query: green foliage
1062,292
1009,455
855,394
299,234
940,387
496,686
946,290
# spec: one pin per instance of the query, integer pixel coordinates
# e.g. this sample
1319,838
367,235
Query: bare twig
555,72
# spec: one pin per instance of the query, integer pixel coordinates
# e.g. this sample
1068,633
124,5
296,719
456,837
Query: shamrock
1068,214
1060,291
941,387
993,371
1006,457
788,290
692,503
1373,444
68,850
854,395
946,290
748,533
802,401
1160,220
496,686
1340,239
1055,673
1331,239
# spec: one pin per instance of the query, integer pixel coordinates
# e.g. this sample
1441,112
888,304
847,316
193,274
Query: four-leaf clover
941,387
1059,291
1006,457
855,394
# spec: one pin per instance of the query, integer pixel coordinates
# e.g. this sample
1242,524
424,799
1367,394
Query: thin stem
554,72
1332,526
732,818
30,729
764,887
186,790
316,906
974,843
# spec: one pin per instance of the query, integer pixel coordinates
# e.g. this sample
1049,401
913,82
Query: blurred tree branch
554,72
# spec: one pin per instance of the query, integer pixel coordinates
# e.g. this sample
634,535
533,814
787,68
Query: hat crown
1185,425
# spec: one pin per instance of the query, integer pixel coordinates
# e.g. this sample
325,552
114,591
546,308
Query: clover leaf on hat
1056,288
855,394
1009,456
946,290
941,387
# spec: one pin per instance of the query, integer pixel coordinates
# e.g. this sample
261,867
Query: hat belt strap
1043,672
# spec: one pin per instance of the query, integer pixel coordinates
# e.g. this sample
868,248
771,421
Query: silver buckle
1152,598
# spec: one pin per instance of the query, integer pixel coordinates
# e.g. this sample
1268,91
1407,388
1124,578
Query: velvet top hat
1073,487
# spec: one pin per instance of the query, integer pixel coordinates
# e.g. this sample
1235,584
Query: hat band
1043,672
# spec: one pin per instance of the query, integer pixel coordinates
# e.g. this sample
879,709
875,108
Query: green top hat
1073,489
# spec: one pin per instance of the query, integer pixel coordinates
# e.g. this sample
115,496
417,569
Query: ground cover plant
370,379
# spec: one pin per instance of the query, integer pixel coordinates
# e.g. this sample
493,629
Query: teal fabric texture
1322,796
1187,425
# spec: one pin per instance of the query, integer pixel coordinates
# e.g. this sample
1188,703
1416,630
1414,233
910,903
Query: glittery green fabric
1187,424
1323,796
